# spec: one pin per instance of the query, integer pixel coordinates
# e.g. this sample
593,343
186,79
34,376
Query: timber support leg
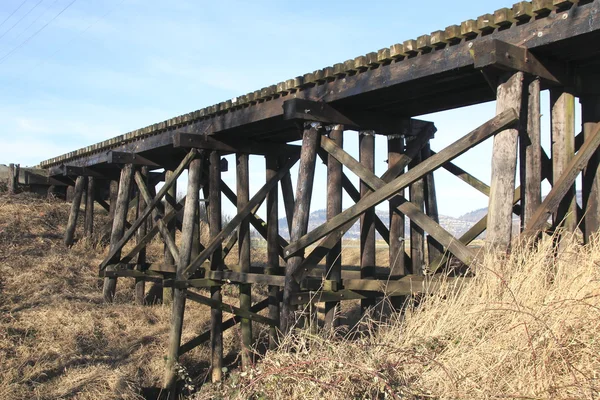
306,173
185,256
504,163
216,264
118,227
140,283
333,261
243,196
531,155
590,118
75,205
167,293
367,220
272,247
89,207
417,235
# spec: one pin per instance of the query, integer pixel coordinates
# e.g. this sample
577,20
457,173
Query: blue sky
102,68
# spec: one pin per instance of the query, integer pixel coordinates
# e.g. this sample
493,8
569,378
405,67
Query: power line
21,19
35,33
13,13
35,20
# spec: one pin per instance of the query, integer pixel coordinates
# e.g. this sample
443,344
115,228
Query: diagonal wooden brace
407,208
490,128
162,226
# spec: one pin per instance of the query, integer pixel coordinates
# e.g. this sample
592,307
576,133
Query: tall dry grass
525,327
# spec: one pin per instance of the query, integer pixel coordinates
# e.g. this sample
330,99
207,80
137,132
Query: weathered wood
168,233
564,183
75,205
161,193
434,248
235,221
366,149
119,157
116,236
140,284
112,197
590,118
185,254
416,193
562,106
333,263
157,213
89,207
307,110
531,155
287,193
214,220
405,207
231,322
504,164
306,173
207,142
219,305
13,178
272,246
243,196
397,235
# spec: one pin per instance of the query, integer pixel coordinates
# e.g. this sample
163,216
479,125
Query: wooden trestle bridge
508,56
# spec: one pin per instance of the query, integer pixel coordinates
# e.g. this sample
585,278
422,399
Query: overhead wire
35,20
35,33
21,19
13,13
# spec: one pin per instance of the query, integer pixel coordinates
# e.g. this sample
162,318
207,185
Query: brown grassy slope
57,338
526,327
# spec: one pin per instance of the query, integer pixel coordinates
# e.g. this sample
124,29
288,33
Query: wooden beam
508,57
230,309
89,207
564,183
504,164
366,151
562,106
306,173
531,155
206,142
243,196
140,284
229,323
308,110
214,251
416,193
168,232
186,246
434,248
333,262
396,219
75,205
116,236
590,118
120,157
273,248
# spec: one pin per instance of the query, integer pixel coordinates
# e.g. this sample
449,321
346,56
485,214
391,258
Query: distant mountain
456,226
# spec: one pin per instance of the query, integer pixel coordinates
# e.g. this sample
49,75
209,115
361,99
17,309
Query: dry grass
525,327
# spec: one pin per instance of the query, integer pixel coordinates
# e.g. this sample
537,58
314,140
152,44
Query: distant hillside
456,226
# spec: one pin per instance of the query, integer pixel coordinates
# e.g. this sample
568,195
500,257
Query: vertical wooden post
366,153
118,226
272,246
216,263
140,283
243,196
417,236
333,262
167,296
504,164
397,234
12,182
112,195
185,256
590,117
89,207
531,155
434,248
563,149
306,173
75,205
